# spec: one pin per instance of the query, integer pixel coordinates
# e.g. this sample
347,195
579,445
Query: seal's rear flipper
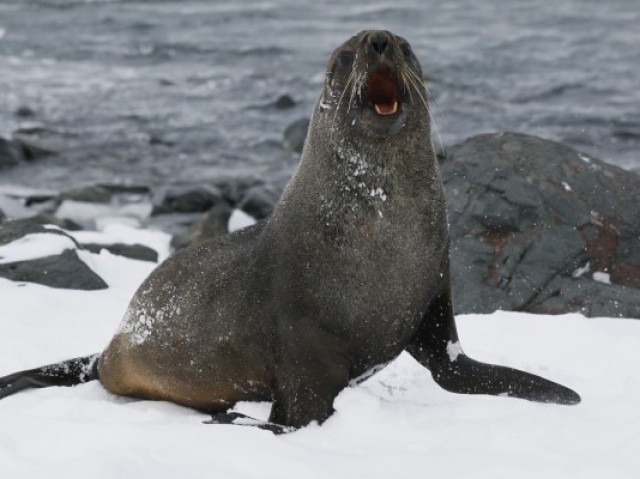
240,419
66,373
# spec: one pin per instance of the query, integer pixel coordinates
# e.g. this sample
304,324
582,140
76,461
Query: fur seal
350,270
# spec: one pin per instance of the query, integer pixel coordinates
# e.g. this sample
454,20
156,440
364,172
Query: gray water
153,92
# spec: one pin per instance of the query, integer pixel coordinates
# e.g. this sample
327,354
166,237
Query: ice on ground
398,423
238,220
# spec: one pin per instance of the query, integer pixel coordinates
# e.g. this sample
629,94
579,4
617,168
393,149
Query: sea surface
164,92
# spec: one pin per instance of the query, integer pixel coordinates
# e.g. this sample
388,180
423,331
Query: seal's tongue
383,91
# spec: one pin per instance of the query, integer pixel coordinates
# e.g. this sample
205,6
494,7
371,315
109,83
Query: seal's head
375,81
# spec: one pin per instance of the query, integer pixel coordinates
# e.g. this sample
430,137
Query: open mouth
383,91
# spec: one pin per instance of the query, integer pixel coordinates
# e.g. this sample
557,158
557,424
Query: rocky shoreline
535,225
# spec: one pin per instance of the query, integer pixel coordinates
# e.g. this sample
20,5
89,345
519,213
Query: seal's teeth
386,108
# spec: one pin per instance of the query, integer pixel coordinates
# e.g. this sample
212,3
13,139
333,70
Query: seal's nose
379,41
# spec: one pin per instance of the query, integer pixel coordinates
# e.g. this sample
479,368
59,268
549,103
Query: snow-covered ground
397,424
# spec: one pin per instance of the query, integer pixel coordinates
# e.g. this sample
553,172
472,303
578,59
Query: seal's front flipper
66,373
436,347
467,376
240,419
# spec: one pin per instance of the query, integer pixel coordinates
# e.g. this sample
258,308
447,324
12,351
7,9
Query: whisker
415,81
403,74
344,90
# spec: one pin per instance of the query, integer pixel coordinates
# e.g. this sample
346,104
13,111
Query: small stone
88,194
259,201
210,225
186,199
25,112
10,154
284,102
133,251
39,143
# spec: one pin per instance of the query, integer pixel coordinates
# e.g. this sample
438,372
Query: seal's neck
346,177
359,173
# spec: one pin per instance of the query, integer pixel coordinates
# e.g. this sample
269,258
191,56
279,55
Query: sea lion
350,269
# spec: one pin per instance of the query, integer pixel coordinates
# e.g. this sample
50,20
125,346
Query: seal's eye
406,50
345,60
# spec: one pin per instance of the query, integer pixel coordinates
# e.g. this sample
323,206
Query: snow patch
378,192
584,158
13,208
454,350
238,220
33,246
578,272
602,277
383,427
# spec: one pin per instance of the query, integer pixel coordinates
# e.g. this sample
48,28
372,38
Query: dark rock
65,270
25,112
284,102
177,225
28,196
212,224
88,194
64,223
10,154
133,251
158,140
14,229
532,220
258,201
117,189
626,135
186,199
234,189
39,143
295,134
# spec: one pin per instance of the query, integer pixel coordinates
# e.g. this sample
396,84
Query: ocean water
159,92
